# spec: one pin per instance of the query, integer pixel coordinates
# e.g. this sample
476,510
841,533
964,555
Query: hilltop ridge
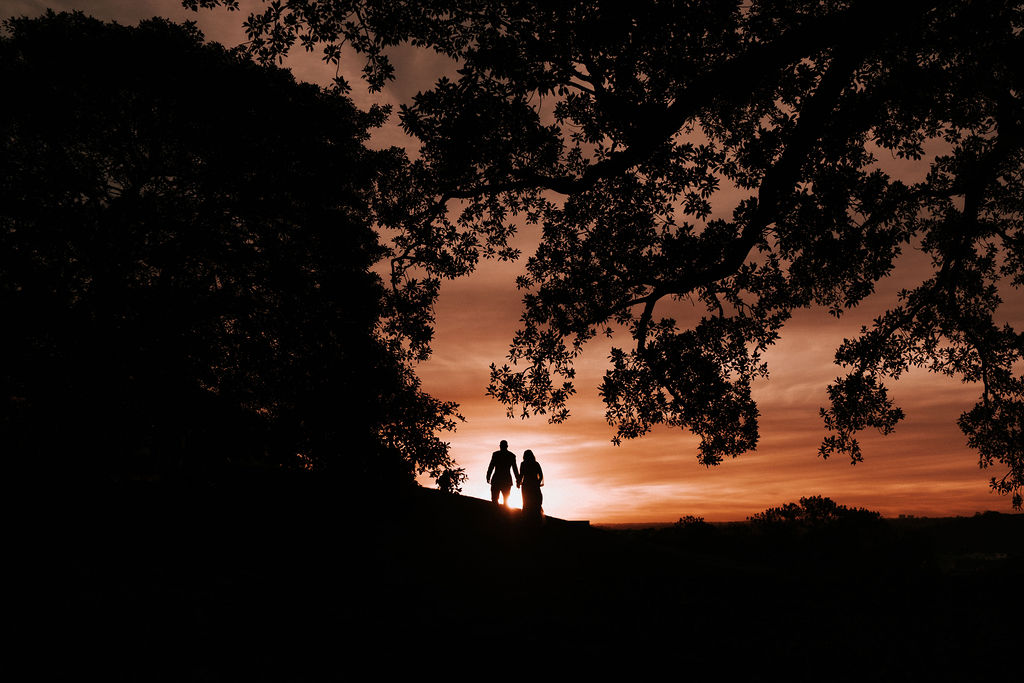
196,586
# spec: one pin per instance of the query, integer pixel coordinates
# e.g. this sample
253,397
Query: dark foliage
812,511
614,126
816,530
186,248
690,521
819,527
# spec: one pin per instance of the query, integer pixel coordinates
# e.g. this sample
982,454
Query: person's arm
490,469
515,470
540,475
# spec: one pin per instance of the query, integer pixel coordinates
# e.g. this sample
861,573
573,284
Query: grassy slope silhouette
284,580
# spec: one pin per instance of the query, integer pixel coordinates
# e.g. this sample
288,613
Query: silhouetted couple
529,477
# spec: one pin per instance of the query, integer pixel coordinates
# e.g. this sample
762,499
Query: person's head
528,456
503,445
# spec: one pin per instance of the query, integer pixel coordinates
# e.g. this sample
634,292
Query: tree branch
731,81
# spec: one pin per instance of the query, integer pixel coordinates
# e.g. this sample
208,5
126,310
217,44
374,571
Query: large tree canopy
186,248
616,125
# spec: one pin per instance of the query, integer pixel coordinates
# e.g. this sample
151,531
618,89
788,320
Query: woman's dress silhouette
532,478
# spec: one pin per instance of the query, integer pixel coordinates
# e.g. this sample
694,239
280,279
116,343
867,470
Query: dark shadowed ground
287,580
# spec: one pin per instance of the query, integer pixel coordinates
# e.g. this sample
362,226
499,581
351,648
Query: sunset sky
923,468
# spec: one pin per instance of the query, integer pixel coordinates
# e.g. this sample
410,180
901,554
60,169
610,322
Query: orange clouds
923,468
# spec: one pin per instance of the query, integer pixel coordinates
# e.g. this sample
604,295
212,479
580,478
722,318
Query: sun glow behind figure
566,495
563,497
566,500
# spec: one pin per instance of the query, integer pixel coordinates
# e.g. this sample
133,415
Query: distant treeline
854,540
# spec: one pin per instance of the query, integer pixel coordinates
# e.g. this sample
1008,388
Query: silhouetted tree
822,527
689,521
186,248
614,125
813,511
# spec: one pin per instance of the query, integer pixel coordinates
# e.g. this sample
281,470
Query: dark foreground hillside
291,581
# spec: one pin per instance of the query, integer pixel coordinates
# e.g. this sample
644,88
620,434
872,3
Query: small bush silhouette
689,521
452,479
812,511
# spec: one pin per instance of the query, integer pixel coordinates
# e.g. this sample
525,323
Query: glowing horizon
924,468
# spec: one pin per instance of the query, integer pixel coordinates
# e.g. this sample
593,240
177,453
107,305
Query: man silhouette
498,474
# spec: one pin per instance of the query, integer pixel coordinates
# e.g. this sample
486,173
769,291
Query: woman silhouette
531,478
